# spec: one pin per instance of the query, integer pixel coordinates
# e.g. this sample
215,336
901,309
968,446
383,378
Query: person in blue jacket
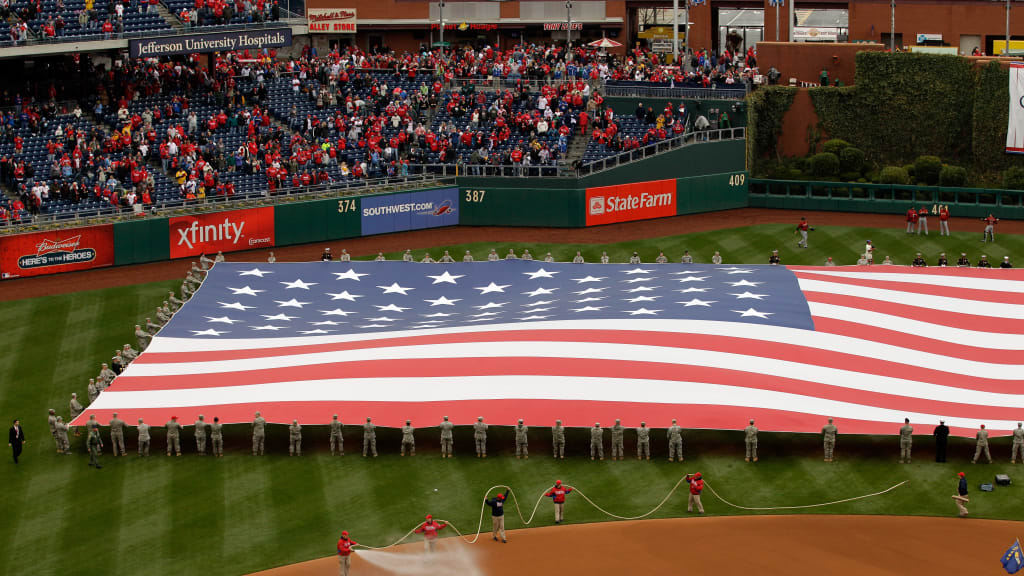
497,505
961,495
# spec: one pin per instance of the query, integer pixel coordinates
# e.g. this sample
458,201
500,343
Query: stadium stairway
171,19
577,147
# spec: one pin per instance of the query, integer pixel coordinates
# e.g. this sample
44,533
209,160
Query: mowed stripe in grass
239,514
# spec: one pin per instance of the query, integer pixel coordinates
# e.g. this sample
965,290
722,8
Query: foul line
533,513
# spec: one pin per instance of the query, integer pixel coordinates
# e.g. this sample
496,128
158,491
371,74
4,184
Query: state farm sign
222,232
625,202
331,20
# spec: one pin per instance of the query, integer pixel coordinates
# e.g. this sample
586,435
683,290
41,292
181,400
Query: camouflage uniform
521,442
173,437
295,439
643,441
982,445
408,438
117,435
144,439
217,437
675,442
92,391
259,434
597,441
906,440
142,336
618,435
95,445
1018,444
61,436
446,438
337,439
52,421
829,433
750,442
200,432
369,438
558,439
480,437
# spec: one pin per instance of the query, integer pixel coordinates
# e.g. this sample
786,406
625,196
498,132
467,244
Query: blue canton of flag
1012,560
241,300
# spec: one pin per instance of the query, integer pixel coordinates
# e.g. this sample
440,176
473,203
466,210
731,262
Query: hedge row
765,110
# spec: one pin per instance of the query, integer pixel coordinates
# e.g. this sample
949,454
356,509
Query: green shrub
849,176
1013,178
795,174
825,164
893,175
834,146
954,176
910,170
851,159
779,172
926,169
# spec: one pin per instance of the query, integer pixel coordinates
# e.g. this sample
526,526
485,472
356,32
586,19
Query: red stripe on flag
930,289
914,342
1016,274
921,314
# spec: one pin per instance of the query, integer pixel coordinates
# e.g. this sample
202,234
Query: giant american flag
709,345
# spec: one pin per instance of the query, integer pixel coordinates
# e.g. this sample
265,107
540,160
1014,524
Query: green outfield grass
240,514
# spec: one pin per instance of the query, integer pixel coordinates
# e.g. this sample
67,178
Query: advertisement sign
549,26
1015,128
221,232
626,202
808,33
42,253
922,38
410,211
253,41
331,20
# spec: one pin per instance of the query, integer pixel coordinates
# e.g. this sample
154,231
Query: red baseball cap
558,482
501,496
960,474
344,533
429,516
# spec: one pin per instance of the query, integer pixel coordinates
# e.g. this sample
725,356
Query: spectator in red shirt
345,552
696,483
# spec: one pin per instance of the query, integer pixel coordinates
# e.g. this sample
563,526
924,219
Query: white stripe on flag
938,303
970,282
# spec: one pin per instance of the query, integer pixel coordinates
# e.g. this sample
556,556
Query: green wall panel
627,106
499,205
142,241
315,221
693,160
713,192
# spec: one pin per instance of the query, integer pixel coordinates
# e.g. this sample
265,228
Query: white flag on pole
1015,129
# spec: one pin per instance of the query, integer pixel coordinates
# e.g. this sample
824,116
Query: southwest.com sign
625,202
409,211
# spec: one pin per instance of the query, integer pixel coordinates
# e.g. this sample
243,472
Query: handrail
661,147
716,92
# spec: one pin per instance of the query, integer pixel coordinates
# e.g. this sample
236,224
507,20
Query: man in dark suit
941,434
15,439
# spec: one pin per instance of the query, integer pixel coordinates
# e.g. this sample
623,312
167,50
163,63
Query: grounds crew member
557,495
259,434
675,442
143,430
429,529
480,437
982,445
295,438
117,435
696,483
558,439
217,436
337,440
497,505
408,440
521,442
173,436
941,434
1018,444
63,444
345,552
906,440
960,498
618,435
828,432
597,441
95,445
643,441
750,442
446,438
369,437
201,435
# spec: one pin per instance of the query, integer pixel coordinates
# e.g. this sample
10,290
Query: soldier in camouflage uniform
143,430
369,438
618,435
174,301
217,437
52,421
161,317
675,442
61,435
76,409
295,439
152,327
92,391
480,437
408,438
173,436
558,439
142,336
750,442
106,376
643,441
446,438
982,445
597,441
521,442
259,434
829,434
1018,443
337,439
129,354
117,435
201,435
906,440
95,445
604,258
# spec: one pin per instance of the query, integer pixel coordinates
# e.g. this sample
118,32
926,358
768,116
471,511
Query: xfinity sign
221,232
196,234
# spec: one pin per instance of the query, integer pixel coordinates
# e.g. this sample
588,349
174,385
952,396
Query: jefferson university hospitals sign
222,42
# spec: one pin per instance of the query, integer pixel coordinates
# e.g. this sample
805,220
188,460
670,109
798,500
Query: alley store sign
332,20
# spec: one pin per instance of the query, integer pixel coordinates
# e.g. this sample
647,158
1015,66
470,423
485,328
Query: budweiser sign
47,246
331,20
56,253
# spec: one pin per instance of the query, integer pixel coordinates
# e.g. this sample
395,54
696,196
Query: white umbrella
604,43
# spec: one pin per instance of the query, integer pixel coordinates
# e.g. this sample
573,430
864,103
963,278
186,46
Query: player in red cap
345,545
696,482
497,505
557,495
429,529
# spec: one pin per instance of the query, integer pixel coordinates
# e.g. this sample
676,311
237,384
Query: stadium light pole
675,32
1006,47
892,25
440,15
568,29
